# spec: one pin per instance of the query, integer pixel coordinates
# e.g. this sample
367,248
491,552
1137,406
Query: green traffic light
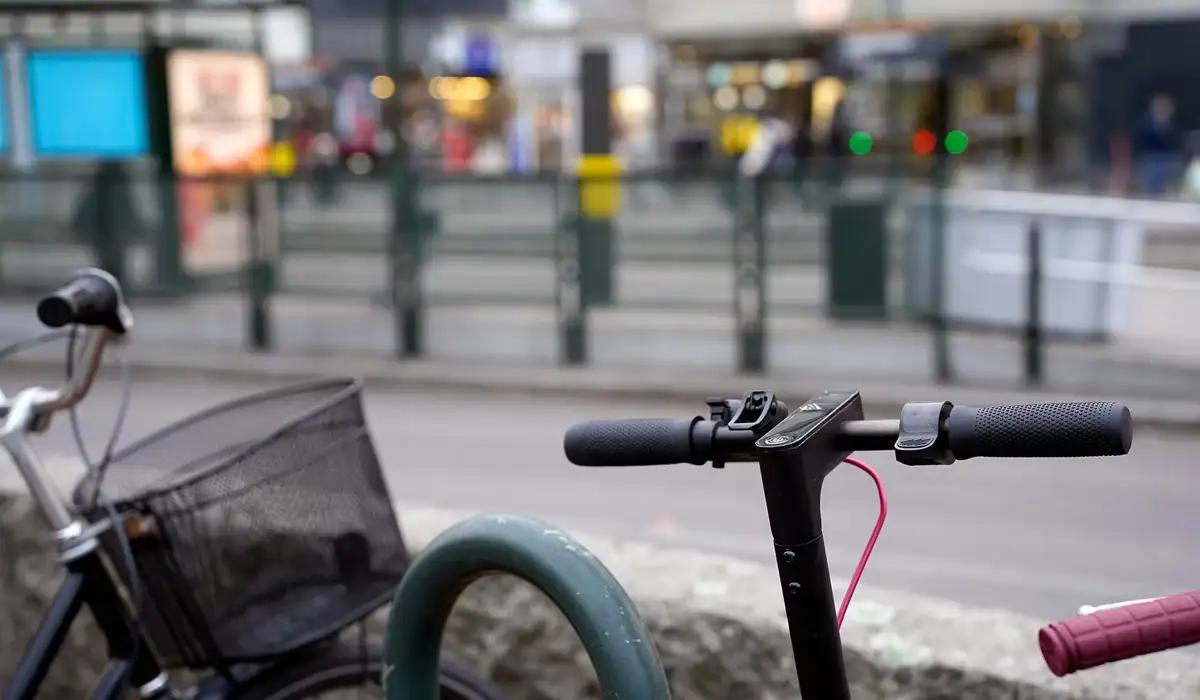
956,142
861,143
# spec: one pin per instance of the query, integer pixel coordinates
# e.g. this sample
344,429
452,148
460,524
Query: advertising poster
88,104
220,139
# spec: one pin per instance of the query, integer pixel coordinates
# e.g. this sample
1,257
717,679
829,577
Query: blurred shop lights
754,97
775,74
279,106
634,100
383,87
465,89
359,163
719,75
1070,27
726,98
745,73
827,92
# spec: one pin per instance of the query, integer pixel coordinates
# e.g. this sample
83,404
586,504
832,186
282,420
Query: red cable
862,561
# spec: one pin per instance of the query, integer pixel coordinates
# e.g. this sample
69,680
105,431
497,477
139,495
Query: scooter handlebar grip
1075,429
1121,633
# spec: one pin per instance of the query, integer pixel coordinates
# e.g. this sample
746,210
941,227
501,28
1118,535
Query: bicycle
206,559
797,450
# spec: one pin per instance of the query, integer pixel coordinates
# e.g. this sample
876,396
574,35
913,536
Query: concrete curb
880,399
719,626
717,623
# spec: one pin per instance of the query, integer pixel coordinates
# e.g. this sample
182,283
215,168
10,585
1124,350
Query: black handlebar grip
1078,429
93,298
631,443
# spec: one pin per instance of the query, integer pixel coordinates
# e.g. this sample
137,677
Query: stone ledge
717,622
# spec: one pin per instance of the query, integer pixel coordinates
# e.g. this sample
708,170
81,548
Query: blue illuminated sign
88,103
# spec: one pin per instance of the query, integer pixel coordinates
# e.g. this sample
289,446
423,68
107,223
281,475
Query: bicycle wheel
344,672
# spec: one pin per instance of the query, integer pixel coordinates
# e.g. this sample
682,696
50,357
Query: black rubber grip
1081,429
631,443
91,299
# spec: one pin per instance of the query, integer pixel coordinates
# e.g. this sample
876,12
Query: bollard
608,624
599,172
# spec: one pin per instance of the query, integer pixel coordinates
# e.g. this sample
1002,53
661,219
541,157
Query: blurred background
658,199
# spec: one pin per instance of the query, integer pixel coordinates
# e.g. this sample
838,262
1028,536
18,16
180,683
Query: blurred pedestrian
1157,146
106,217
839,130
838,145
769,145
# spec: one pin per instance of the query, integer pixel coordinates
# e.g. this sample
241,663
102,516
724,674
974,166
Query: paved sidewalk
635,353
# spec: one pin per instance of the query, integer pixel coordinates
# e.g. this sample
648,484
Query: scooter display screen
802,422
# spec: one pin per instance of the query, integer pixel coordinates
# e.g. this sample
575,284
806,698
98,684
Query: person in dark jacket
106,218
1158,147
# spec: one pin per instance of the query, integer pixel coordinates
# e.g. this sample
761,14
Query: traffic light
924,142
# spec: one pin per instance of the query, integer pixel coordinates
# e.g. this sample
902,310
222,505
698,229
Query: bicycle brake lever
756,413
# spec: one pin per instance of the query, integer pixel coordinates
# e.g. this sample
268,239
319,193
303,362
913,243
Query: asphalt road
1040,537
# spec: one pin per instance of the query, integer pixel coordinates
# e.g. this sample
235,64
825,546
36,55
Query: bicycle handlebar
1081,429
1121,633
92,298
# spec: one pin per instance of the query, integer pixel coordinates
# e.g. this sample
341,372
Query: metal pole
893,111
599,171
258,272
405,238
170,275
1033,306
750,268
572,304
943,370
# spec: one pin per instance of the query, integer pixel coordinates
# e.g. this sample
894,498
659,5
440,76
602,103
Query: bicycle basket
258,526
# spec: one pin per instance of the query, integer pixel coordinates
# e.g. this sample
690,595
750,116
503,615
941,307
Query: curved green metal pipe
593,601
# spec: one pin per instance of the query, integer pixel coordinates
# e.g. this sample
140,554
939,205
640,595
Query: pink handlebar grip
1121,633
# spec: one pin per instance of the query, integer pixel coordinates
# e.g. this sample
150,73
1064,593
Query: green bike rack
606,620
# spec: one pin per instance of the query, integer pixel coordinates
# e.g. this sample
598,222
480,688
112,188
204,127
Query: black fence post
114,213
258,268
749,271
170,275
405,247
1033,306
943,370
571,301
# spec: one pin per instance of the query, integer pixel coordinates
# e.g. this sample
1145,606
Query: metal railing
747,259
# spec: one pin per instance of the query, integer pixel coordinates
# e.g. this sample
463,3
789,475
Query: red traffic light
924,142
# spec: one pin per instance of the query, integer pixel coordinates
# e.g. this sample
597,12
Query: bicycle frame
89,582
794,459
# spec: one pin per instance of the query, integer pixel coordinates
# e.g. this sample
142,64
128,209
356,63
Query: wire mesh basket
258,526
